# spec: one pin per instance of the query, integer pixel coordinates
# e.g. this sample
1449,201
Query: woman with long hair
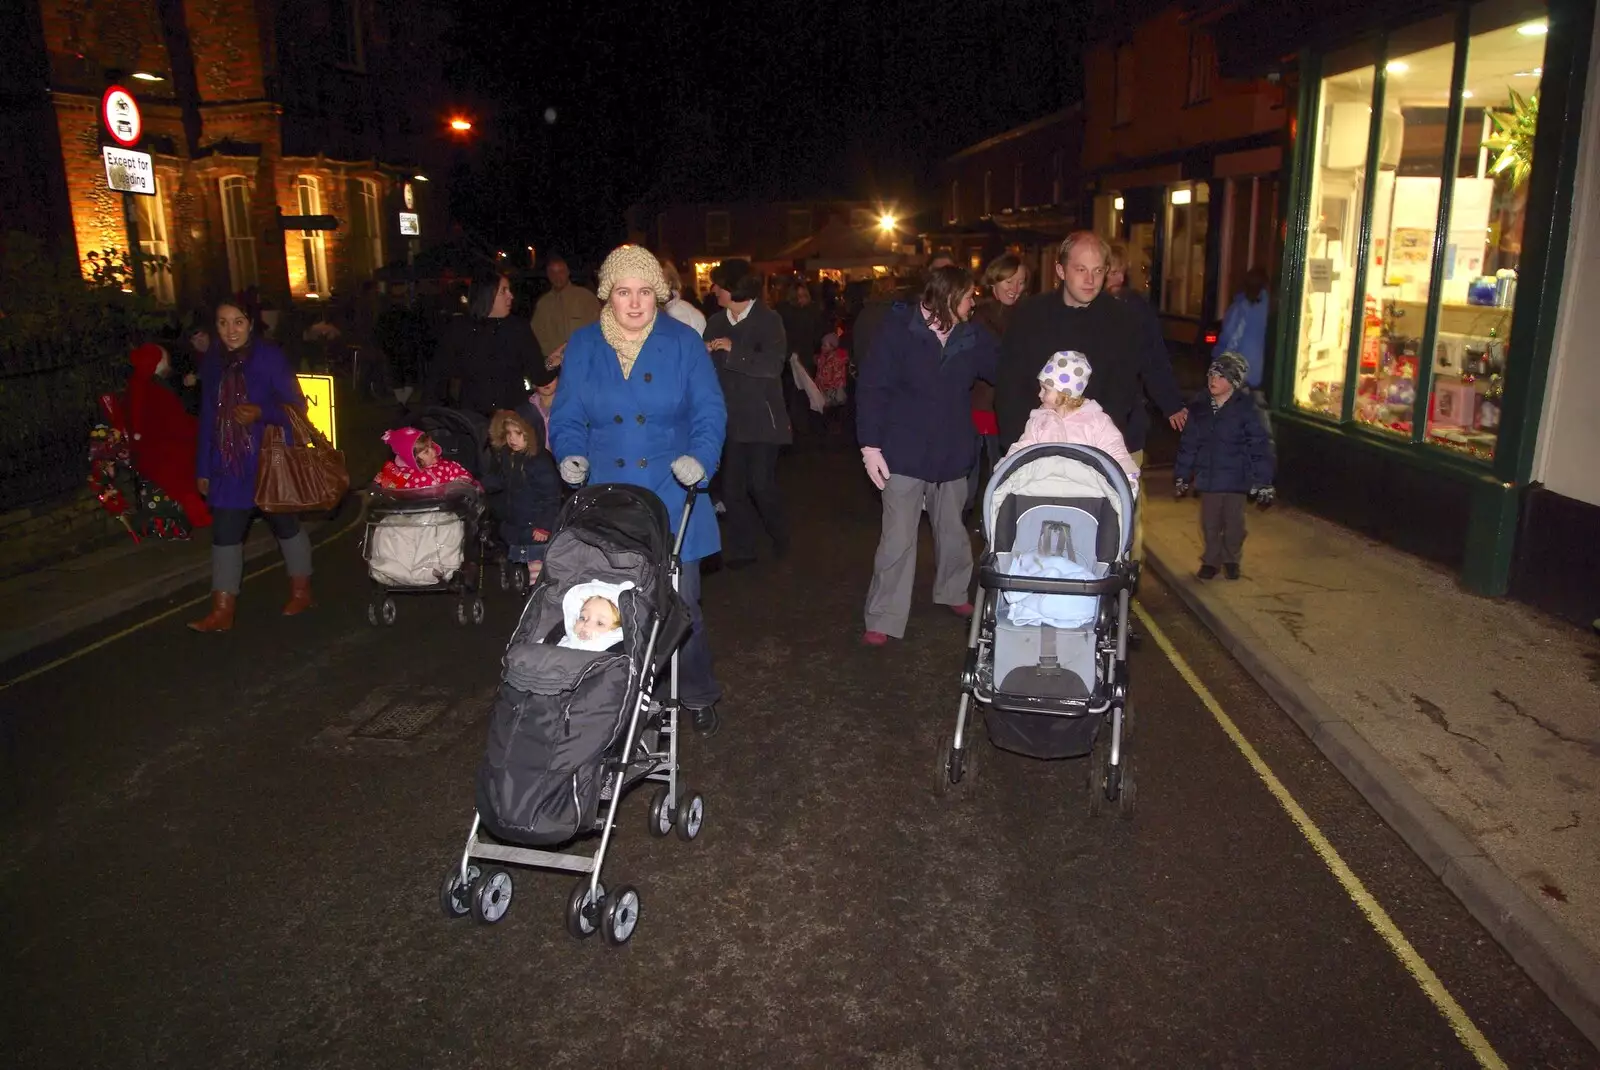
489,358
1004,282
914,424
639,403
245,385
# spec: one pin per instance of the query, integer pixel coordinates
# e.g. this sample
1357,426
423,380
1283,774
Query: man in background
563,310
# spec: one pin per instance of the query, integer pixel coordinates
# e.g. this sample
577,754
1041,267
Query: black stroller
429,541
573,730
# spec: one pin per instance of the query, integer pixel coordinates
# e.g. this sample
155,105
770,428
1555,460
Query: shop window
1202,62
153,244
238,232
1183,276
1327,295
366,229
1483,251
313,243
1122,96
718,227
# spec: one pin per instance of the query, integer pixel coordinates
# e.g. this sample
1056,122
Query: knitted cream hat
632,262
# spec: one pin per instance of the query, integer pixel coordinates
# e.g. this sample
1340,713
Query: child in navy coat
1226,455
526,490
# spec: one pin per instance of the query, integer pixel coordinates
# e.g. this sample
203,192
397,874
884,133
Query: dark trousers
697,682
230,526
1222,525
985,458
750,492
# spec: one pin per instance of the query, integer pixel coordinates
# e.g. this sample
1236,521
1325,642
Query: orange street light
460,125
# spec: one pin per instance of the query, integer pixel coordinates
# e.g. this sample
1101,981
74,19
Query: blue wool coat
632,429
268,382
1228,451
913,399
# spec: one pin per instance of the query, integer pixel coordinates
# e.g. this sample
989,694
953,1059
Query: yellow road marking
1470,1036
163,615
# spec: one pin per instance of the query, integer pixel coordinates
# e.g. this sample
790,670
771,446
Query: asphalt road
203,867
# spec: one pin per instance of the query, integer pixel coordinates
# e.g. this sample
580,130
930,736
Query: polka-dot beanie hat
1067,372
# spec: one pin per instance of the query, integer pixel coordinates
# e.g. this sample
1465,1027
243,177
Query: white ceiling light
1397,66
1466,94
1182,196
1534,29
1117,204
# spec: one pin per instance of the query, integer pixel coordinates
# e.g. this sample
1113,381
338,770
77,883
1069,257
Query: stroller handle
683,521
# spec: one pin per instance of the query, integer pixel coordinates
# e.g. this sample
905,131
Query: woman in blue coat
914,423
245,384
639,403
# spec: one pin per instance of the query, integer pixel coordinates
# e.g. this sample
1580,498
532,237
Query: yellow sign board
318,390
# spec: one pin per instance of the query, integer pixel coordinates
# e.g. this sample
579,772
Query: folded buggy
1047,657
573,730
428,541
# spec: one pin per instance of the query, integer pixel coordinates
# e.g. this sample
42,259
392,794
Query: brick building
314,107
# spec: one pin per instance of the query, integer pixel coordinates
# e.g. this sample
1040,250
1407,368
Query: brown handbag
304,476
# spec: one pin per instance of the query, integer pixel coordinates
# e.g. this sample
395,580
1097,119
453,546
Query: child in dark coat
527,491
1226,455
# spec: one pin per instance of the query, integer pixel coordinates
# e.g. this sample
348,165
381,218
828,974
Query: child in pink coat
1065,415
417,464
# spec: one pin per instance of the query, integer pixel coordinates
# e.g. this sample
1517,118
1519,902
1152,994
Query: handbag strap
305,430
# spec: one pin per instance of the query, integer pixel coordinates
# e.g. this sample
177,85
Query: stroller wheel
691,815
491,896
1125,792
475,611
453,895
387,611
620,917
660,814
583,910
519,579
957,770
505,575
372,614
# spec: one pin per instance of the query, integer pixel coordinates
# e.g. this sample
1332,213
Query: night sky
673,101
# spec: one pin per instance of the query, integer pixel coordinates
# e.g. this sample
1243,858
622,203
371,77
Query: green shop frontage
1429,199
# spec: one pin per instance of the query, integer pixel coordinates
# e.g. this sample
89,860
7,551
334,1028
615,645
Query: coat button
647,377
621,463
641,417
643,463
617,418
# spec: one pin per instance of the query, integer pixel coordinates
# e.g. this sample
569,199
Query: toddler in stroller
592,619
422,533
524,496
1047,657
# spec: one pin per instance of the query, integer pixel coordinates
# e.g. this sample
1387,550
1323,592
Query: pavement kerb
1556,962
21,640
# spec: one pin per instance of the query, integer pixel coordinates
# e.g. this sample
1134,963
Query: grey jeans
894,568
1222,525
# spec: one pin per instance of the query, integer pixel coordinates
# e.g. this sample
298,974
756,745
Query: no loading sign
120,113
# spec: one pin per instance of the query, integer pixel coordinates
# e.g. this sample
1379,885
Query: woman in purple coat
245,384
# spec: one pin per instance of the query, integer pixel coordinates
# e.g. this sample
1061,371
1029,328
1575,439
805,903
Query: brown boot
220,619
299,596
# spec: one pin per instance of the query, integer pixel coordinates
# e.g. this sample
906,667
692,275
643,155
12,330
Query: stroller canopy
1058,470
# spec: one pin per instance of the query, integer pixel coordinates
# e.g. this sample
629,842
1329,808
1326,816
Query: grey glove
688,471
1181,488
575,471
1264,496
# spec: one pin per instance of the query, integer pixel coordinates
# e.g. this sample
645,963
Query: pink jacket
1087,425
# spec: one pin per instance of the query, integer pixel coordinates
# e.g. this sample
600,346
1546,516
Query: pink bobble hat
1068,372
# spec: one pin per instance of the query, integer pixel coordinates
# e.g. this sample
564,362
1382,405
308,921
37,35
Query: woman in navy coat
245,385
639,403
914,423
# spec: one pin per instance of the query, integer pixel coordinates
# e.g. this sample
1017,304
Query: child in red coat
417,464
162,436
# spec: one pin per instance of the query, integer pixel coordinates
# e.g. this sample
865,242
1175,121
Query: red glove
541,535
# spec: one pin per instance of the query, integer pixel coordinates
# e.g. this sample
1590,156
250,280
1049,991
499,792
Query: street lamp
886,223
460,125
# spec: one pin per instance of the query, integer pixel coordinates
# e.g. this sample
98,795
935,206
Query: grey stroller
1047,653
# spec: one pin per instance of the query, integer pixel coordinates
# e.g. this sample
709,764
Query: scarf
233,439
627,351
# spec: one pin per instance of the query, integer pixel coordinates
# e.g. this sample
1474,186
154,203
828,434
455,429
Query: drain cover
401,720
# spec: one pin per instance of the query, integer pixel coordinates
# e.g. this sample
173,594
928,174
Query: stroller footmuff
1047,647
573,730
427,541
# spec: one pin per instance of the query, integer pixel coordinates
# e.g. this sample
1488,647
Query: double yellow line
1471,1037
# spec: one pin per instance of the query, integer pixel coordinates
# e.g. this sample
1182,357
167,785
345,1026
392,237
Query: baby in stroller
591,617
524,489
417,463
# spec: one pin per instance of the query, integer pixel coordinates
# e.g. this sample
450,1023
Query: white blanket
1055,610
416,549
